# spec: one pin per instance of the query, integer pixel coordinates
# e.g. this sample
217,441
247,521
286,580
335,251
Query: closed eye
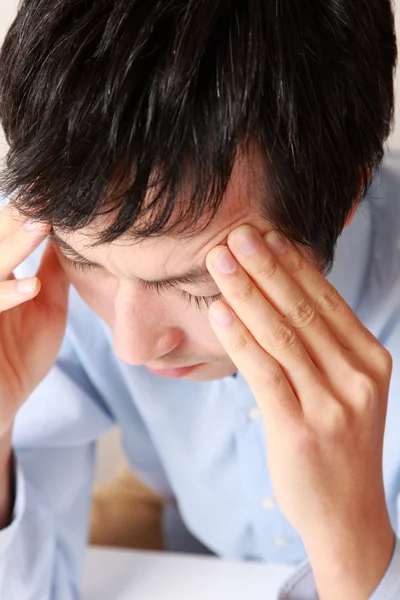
159,287
81,264
198,301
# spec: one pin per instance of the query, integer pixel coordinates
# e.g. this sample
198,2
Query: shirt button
255,414
268,503
280,541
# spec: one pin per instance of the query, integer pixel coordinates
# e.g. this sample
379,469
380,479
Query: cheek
97,291
197,328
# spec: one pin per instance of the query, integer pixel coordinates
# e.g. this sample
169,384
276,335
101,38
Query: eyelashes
198,301
79,265
160,287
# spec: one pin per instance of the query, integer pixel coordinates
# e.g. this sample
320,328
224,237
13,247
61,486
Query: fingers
16,291
17,241
283,293
270,330
288,319
346,328
260,370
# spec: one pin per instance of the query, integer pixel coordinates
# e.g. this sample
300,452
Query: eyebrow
195,275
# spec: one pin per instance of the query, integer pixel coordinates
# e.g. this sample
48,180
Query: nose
140,332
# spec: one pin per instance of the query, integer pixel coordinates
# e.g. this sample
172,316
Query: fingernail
248,240
220,313
224,261
26,286
276,242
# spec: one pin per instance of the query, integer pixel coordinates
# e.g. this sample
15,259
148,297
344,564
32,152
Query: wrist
350,564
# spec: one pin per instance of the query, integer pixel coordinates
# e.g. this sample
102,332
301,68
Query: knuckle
283,336
334,422
303,314
240,344
295,265
365,390
329,301
268,267
244,293
383,361
272,376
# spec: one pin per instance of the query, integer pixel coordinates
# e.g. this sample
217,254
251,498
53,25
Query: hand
321,380
32,324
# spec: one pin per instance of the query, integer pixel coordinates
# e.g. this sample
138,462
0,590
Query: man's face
168,329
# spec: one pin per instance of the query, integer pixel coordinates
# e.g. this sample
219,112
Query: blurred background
109,449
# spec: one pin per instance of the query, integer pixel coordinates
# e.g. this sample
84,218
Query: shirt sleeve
42,550
301,585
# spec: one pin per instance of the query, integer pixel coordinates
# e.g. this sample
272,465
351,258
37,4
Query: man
163,146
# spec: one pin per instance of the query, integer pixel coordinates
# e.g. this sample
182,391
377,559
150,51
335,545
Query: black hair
103,101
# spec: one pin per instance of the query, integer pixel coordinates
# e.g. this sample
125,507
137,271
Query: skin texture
287,330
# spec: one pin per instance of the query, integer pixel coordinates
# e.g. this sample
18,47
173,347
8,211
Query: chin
211,372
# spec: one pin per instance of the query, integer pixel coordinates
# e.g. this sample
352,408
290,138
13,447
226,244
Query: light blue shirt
199,445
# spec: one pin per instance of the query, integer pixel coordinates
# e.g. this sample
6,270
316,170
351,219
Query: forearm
6,480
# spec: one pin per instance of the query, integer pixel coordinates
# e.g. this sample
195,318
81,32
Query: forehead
166,255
